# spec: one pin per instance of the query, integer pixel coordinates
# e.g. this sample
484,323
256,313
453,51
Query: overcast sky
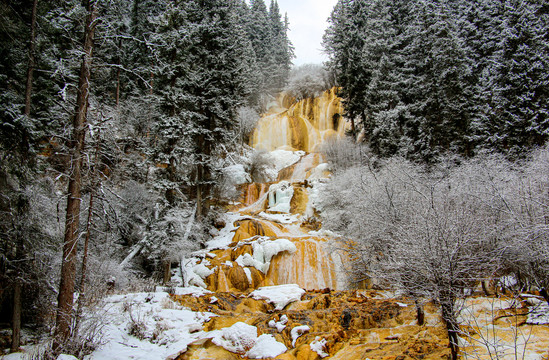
307,25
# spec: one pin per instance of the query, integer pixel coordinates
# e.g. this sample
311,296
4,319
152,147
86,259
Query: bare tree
425,231
527,210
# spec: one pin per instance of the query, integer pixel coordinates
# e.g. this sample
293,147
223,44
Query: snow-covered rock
236,174
242,339
147,326
280,196
248,260
318,346
202,270
279,325
225,236
263,251
297,332
238,338
285,158
280,295
266,347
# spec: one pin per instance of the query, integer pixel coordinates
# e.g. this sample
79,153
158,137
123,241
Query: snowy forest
171,184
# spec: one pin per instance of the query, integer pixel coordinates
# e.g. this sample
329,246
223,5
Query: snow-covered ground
150,326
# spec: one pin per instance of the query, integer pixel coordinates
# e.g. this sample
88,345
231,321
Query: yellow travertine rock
300,126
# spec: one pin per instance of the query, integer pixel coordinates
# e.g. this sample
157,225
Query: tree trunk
420,313
68,266
16,317
451,327
30,72
17,300
84,268
167,272
203,176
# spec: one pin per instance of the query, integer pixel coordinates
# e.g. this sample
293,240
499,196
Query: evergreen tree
440,94
281,54
424,78
203,80
344,41
519,118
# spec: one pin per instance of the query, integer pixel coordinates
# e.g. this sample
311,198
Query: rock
205,349
238,278
299,201
306,353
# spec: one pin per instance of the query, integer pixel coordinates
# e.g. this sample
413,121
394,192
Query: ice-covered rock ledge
279,295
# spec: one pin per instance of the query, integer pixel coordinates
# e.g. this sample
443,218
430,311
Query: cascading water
270,240
302,126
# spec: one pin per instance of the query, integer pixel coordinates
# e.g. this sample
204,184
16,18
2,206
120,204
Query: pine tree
519,118
72,221
438,68
344,42
203,81
281,53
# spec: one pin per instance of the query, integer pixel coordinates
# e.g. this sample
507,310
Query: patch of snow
280,196
164,327
402,304
318,346
324,233
280,218
279,325
189,290
297,332
226,234
228,263
248,273
270,174
238,338
213,300
539,314
280,295
66,357
241,338
202,271
191,277
266,347
285,158
313,197
248,260
14,356
236,174
319,171
263,251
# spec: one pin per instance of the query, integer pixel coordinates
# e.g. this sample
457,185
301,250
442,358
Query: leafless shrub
262,167
431,232
247,119
343,154
308,81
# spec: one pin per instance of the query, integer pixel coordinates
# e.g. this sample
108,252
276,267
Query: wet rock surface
346,324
